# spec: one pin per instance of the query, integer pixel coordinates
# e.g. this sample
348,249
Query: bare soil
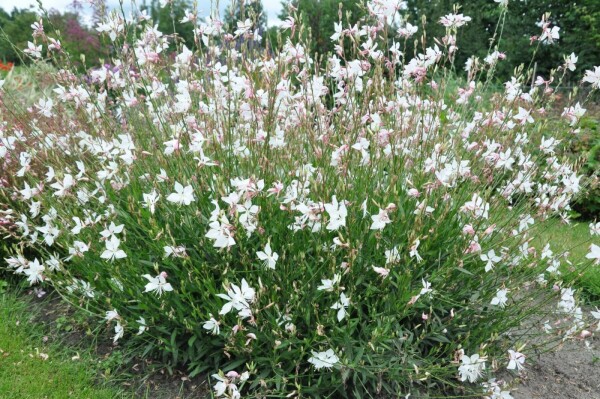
572,372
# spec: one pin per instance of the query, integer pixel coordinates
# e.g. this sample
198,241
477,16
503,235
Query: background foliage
579,22
76,39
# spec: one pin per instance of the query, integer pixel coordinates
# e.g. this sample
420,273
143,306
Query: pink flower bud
414,193
490,229
468,229
232,374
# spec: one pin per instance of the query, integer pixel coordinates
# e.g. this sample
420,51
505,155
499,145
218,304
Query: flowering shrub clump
289,227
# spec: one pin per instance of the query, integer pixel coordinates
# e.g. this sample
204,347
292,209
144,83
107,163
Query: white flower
380,220
337,213
386,9
326,359
162,176
158,283
111,315
516,360
142,328
477,206
550,35
50,232
382,271
523,116
63,187
268,257
548,145
392,255
341,305
150,200
337,28
225,388
119,331
494,390
571,183
574,113
471,368
34,272
593,77
596,315
501,298
594,253
112,230
595,229
113,27
454,20
243,27
407,30
112,251
491,258
176,252
78,249
328,285
53,263
426,287
414,251
33,50
212,325
221,386
567,300
83,286
172,146
570,62
547,252
78,225
182,195
505,160
238,299
220,232
45,107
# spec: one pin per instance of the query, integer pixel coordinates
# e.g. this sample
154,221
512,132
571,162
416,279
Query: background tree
15,27
77,40
579,33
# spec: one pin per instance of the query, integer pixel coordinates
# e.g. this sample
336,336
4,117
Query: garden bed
572,372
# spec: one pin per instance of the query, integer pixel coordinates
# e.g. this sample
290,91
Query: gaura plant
292,227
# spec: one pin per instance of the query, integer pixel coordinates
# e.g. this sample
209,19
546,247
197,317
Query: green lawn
574,238
24,373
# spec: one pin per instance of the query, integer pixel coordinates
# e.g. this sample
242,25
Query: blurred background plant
80,41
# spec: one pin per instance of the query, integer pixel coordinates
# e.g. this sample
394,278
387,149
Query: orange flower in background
6,67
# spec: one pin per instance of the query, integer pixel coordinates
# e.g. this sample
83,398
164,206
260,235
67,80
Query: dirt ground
572,372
